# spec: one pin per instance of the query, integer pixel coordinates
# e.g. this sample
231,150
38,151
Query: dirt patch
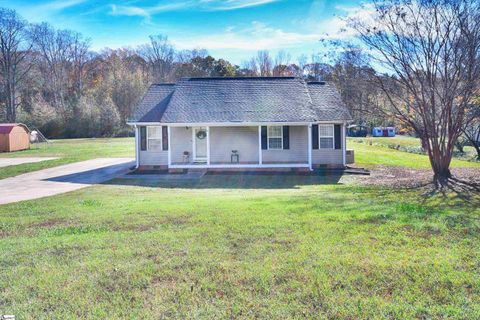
50,223
175,220
399,177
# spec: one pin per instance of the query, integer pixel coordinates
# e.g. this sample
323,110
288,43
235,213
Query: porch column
137,146
309,128
169,152
260,160
344,144
208,146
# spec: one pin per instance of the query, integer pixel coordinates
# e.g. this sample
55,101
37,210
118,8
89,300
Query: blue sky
230,29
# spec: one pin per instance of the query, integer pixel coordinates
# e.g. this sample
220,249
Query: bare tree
265,63
431,49
14,58
250,68
282,61
160,55
62,57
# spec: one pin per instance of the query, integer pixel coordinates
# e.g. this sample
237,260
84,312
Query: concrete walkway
5,162
61,179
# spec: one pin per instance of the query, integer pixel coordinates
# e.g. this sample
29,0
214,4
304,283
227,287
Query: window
325,134
275,138
154,138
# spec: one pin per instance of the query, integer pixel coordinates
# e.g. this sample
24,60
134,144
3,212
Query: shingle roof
270,99
326,101
154,103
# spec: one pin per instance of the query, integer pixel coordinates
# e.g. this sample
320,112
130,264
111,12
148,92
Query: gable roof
266,99
6,128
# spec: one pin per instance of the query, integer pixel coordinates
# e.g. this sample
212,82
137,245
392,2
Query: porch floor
239,163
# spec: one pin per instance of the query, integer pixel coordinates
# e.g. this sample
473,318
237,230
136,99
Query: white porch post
260,160
344,144
309,128
169,152
137,147
208,146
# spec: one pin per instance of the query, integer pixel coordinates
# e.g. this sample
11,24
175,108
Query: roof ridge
238,78
163,84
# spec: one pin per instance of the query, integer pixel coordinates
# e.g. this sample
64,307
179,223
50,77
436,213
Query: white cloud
58,5
46,11
261,36
258,36
146,12
337,27
235,4
206,5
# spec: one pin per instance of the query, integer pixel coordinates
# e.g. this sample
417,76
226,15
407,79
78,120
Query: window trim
332,136
268,138
160,139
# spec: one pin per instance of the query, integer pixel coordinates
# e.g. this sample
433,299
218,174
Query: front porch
221,147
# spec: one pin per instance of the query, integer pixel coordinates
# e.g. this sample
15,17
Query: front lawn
271,247
68,151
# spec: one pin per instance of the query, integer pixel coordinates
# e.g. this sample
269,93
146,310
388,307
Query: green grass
68,151
240,247
378,153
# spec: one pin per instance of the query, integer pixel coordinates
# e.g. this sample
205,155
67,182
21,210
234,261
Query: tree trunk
441,176
477,148
440,162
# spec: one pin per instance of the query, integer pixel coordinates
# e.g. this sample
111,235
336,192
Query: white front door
200,144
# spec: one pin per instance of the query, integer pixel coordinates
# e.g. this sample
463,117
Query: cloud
337,27
203,5
261,36
235,4
258,36
147,12
46,11
58,5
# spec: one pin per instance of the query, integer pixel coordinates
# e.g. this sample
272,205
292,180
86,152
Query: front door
200,144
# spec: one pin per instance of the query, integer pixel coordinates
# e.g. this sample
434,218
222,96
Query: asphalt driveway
61,179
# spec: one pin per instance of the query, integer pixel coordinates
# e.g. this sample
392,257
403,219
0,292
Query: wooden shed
14,137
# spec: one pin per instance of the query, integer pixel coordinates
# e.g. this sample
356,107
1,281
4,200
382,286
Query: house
248,123
14,137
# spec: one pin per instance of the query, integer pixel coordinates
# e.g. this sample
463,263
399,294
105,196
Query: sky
231,29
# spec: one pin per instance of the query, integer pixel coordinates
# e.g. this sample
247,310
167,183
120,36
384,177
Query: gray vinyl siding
298,151
150,158
328,156
225,139
180,141
153,158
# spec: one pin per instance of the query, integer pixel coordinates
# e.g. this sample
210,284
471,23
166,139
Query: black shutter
164,138
143,138
286,137
315,136
264,138
338,136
